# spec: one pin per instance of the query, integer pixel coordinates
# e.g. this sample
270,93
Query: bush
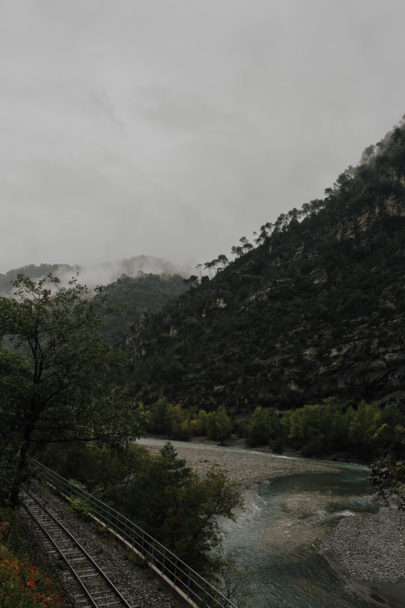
80,506
219,424
22,585
317,429
263,427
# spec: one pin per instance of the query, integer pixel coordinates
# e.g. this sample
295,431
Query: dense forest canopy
134,296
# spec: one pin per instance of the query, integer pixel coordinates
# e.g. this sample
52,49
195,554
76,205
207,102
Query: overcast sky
174,127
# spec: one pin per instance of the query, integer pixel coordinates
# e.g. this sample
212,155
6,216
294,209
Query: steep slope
134,296
316,311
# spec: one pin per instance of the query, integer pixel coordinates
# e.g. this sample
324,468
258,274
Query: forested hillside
314,311
133,297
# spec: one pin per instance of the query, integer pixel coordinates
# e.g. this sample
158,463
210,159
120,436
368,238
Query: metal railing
192,587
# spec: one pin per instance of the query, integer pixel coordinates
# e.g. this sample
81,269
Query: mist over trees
96,274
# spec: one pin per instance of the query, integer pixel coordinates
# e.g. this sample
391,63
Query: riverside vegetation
296,343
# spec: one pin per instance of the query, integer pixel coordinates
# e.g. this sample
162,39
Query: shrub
22,585
80,506
263,426
219,424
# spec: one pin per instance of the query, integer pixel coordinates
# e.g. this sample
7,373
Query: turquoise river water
278,533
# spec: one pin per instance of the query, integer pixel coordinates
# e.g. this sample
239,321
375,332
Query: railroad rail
186,582
96,589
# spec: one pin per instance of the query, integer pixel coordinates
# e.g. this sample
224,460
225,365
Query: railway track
94,588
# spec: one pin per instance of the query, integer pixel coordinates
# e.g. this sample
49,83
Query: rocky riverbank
369,547
368,551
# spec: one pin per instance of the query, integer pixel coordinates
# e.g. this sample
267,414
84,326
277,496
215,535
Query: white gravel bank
245,467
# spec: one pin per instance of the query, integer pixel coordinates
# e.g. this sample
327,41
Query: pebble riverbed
244,467
369,547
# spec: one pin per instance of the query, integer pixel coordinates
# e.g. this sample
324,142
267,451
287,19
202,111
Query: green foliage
364,423
179,508
400,470
198,424
264,426
135,296
366,430
219,424
178,422
170,420
80,506
23,584
316,428
232,581
320,429
55,375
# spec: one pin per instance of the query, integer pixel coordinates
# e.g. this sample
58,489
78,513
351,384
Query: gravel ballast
138,584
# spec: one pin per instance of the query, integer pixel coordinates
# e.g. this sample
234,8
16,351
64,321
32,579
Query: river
278,533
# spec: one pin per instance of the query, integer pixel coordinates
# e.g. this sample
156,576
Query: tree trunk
20,472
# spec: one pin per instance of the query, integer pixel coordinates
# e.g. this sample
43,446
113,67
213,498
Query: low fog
96,274
108,272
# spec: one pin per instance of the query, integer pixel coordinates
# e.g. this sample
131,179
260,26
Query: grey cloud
173,128
169,110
